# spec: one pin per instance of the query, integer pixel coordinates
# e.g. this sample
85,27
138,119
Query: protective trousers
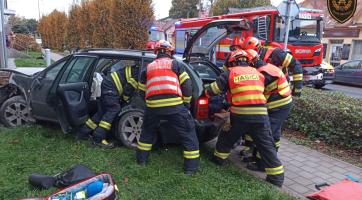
110,106
183,125
277,116
263,140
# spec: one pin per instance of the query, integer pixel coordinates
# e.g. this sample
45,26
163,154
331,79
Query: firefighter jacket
277,90
245,87
286,62
165,84
125,81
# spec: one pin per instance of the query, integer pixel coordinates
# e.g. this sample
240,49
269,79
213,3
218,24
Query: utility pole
39,10
288,16
3,53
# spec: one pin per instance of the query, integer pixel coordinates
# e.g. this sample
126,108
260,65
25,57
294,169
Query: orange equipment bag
342,190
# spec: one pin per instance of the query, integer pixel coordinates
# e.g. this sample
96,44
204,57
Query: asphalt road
353,91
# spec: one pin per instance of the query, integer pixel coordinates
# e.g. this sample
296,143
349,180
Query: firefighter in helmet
245,86
116,87
279,100
167,89
279,58
235,45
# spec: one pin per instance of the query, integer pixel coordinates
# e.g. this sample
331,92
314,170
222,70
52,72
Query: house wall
332,27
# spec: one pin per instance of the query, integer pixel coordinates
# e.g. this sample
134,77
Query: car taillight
202,109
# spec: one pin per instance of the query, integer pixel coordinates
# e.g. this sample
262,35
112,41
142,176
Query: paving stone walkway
305,167
11,63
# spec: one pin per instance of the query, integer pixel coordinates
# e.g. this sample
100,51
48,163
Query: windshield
207,40
301,30
156,36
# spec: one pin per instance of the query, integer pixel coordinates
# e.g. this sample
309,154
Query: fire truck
304,41
155,34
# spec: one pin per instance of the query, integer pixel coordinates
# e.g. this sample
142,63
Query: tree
99,23
222,6
53,29
131,21
22,25
183,9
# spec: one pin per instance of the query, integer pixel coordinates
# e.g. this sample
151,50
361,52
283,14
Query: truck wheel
14,112
319,85
129,126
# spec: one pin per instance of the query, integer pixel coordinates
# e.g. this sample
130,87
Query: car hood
205,39
29,71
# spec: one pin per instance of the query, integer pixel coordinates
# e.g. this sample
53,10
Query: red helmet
252,55
237,55
251,43
164,45
235,44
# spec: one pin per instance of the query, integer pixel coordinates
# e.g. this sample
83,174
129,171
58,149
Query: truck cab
267,24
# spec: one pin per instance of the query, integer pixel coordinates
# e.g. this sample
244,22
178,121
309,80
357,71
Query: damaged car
61,93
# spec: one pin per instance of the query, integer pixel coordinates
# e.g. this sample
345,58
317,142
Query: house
342,42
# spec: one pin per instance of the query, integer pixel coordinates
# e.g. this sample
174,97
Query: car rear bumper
206,130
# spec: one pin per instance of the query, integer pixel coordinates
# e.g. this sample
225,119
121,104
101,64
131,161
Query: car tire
319,86
14,112
129,125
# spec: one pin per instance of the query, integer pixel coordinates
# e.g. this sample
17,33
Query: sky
29,8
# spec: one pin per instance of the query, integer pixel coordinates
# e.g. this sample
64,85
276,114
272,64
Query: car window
351,65
204,71
53,72
104,64
125,62
76,70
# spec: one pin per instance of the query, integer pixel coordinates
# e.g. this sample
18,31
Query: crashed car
61,93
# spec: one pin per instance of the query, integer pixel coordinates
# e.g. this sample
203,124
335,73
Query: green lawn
34,148
32,61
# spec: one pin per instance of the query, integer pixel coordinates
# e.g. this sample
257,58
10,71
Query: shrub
23,42
332,117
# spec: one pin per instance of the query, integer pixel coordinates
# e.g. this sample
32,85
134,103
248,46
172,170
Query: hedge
329,116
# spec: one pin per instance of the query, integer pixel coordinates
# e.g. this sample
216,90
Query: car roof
117,52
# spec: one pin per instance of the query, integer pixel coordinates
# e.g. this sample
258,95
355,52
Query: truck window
180,41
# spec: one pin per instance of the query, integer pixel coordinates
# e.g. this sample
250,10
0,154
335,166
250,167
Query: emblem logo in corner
342,10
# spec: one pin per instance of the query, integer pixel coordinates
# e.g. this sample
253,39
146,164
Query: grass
32,61
30,149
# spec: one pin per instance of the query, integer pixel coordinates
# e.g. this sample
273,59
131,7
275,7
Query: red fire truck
304,42
155,34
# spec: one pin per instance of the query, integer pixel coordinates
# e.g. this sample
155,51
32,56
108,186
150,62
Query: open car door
70,93
202,43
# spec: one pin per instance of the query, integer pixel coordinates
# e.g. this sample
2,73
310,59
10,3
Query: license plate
313,78
328,81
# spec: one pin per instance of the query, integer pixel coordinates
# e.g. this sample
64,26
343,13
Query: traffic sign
283,8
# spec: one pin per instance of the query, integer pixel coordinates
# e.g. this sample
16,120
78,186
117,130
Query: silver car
349,72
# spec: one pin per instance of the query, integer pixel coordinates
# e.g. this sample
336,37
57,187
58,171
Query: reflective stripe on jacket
246,86
280,85
162,80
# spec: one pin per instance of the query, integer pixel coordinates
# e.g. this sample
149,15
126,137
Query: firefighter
115,88
279,58
235,45
167,89
279,99
245,86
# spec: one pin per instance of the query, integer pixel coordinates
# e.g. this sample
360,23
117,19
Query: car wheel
129,126
14,112
319,86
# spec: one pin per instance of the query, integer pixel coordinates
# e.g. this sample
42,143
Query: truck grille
306,61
